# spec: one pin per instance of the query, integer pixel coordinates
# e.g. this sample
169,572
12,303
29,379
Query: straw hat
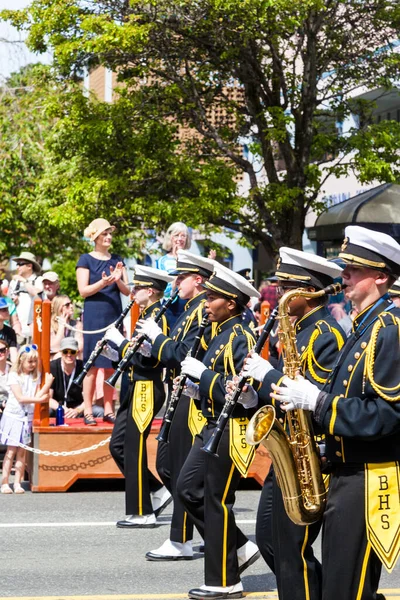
97,227
31,258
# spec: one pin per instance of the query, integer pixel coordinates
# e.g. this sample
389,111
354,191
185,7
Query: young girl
16,424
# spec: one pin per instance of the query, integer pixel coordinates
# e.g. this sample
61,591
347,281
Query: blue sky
14,55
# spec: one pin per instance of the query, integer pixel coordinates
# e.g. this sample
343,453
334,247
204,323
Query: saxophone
295,456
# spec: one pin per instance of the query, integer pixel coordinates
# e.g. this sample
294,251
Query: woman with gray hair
178,237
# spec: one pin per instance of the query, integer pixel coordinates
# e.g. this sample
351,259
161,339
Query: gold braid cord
309,356
370,360
228,353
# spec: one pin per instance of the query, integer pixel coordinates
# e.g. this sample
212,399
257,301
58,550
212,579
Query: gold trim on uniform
240,451
362,262
143,404
281,275
196,421
220,290
382,510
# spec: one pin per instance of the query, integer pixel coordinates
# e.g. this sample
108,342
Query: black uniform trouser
170,459
286,547
139,480
118,433
207,486
351,569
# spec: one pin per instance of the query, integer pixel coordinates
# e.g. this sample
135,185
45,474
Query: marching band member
145,496
359,410
318,340
191,271
206,484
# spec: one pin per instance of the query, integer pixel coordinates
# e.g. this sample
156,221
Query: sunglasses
70,352
29,348
3,350
67,304
21,264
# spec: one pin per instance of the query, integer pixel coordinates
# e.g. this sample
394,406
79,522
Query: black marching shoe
138,522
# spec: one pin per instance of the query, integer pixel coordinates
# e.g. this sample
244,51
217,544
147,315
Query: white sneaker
231,591
138,521
247,555
172,551
160,500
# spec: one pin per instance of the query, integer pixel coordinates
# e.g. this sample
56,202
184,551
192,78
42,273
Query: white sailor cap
231,285
149,277
395,288
305,269
364,247
193,263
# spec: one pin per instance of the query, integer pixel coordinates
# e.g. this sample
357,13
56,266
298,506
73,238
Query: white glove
149,328
298,393
191,389
256,367
249,398
192,367
113,335
145,349
110,353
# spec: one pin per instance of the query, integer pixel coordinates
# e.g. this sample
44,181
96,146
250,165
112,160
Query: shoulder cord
228,352
310,356
370,360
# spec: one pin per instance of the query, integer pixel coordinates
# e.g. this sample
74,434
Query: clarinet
175,395
212,445
123,364
100,345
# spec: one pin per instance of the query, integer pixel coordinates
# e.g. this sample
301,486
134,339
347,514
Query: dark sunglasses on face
3,350
21,264
69,352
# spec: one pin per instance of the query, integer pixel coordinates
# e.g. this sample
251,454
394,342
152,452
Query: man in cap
318,340
191,271
207,485
359,410
63,388
145,496
24,286
51,285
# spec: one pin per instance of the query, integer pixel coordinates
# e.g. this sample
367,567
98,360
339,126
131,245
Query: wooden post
41,337
265,312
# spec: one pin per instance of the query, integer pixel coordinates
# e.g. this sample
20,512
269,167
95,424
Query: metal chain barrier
55,453
64,323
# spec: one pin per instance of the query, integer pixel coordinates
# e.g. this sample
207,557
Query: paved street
67,545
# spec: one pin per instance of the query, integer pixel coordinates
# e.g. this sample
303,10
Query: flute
100,345
175,395
212,445
123,364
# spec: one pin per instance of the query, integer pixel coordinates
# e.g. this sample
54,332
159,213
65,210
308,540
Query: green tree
281,72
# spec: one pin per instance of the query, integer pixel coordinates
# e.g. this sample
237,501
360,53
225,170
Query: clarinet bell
211,445
112,380
79,379
163,434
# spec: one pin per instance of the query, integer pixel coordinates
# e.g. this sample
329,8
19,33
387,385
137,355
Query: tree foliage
280,73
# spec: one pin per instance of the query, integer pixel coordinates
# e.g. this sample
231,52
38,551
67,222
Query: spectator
269,292
177,238
62,308
395,293
16,424
101,278
4,372
24,286
13,321
51,285
7,334
63,388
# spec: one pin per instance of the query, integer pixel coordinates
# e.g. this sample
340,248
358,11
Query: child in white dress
16,424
